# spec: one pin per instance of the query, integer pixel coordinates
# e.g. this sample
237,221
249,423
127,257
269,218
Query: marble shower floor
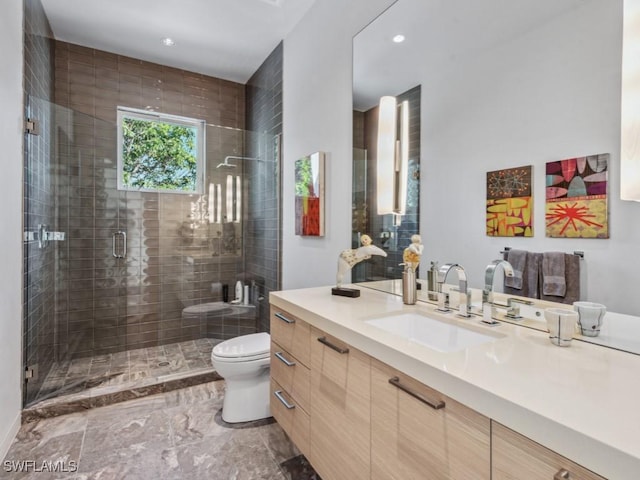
175,435
101,380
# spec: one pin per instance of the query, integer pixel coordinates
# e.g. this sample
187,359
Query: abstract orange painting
510,203
309,178
576,192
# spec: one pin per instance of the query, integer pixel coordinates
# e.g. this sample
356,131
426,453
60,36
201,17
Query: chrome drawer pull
278,394
284,319
395,381
282,358
340,350
562,475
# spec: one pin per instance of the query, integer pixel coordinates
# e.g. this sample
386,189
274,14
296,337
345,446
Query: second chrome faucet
464,308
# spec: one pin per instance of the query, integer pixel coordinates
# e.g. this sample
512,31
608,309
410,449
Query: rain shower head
226,163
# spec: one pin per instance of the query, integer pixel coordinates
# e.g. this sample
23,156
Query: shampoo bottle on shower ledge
239,289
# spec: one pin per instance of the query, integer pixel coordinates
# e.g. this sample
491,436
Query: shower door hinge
43,236
31,373
32,127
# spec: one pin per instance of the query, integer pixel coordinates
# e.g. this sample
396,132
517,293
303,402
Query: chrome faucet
489,272
464,309
487,292
513,311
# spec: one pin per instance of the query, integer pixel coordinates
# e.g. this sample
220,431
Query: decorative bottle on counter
409,290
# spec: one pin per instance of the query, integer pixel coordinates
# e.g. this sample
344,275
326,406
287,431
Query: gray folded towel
553,277
572,278
518,260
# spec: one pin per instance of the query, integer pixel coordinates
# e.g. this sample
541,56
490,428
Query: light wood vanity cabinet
357,418
290,376
340,409
418,433
515,457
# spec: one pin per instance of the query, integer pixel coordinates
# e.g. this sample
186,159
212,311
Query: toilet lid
253,345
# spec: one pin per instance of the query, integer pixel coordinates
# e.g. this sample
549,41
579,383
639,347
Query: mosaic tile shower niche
510,203
576,197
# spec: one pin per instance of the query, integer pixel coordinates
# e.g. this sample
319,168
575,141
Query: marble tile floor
173,435
105,379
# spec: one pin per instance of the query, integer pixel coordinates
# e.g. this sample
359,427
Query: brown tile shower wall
108,304
39,192
262,228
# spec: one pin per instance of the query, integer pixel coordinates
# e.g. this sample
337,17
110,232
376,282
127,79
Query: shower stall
108,273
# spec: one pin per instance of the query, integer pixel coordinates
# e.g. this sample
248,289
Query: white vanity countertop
582,401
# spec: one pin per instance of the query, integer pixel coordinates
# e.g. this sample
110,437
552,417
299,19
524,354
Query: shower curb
72,404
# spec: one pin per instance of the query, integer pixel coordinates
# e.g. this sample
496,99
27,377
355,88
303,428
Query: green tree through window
158,154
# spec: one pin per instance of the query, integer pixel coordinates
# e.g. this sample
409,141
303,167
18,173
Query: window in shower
159,152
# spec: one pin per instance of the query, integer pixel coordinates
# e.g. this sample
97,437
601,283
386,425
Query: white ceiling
227,39
438,33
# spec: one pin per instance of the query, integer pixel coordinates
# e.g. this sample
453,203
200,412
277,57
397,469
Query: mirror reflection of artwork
510,203
576,191
309,181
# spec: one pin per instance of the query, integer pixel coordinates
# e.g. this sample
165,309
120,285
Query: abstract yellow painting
576,193
510,203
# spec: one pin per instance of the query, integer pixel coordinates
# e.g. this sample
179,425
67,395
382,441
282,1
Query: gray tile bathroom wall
39,193
174,258
262,226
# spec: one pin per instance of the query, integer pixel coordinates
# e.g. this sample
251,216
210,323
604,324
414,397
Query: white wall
551,94
11,221
317,117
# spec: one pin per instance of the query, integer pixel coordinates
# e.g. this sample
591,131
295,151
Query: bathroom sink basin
435,334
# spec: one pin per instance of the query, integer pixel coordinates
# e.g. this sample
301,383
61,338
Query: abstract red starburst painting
510,203
576,194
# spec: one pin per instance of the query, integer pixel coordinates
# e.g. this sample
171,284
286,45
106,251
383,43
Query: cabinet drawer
290,374
340,409
293,419
291,333
416,429
516,457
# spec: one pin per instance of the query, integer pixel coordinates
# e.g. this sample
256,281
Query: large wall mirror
386,181
502,84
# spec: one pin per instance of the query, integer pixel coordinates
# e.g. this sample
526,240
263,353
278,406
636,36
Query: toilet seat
245,348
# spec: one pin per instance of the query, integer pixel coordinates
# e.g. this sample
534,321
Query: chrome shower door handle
124,243
114,244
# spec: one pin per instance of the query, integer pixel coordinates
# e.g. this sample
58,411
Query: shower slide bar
122,251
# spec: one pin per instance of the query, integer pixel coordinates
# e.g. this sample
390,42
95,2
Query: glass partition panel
123,286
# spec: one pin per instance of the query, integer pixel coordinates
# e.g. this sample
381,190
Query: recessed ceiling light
168,42
398,38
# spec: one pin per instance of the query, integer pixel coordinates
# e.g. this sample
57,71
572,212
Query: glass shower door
74,280
39,334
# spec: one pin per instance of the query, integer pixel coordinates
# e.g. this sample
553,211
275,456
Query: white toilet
244,364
